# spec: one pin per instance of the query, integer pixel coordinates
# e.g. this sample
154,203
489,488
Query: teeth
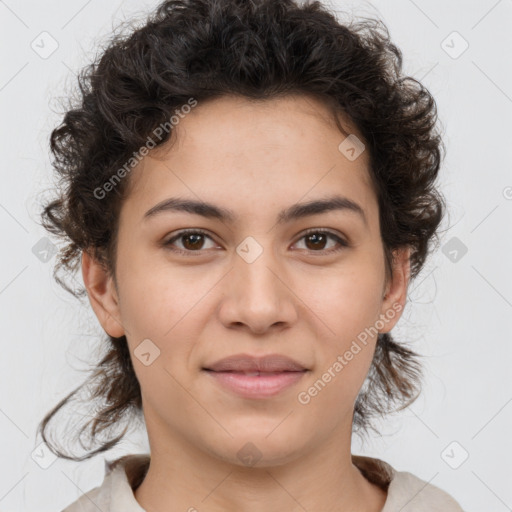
252,374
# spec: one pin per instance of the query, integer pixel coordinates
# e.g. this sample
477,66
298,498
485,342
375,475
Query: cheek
349,307
347,301
155,295
165,305
348,304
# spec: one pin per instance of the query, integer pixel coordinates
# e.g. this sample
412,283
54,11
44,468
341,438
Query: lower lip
261,386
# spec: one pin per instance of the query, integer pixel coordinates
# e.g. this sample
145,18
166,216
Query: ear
395,292
102,295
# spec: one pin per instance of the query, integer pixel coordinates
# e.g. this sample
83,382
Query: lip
248,363
262,385
256,377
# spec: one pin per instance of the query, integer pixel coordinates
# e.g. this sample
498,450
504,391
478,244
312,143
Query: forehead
248,152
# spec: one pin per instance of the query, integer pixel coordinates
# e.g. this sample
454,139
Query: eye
316,239
193,241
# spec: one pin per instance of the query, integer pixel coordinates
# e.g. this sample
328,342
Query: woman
249,188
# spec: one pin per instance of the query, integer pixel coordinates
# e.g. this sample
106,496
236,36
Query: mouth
255,373
271,363
255,376
255,384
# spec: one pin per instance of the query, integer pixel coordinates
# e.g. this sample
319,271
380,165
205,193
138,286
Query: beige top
405,492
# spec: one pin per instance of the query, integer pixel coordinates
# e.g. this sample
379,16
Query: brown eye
191,241
316,241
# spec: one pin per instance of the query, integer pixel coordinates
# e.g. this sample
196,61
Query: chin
259,450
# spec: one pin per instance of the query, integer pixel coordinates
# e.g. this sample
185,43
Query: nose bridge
258,296
259,284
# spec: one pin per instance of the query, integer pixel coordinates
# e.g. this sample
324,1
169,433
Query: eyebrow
294,212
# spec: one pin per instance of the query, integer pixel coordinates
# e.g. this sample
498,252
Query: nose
257,296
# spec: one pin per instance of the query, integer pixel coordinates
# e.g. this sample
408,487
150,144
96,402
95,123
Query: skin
296,298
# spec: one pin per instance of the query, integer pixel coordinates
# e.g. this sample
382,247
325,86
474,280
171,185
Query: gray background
459,308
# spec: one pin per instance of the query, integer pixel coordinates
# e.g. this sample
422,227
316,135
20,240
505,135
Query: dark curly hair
256,49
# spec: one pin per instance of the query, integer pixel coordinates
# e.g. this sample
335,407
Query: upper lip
248,363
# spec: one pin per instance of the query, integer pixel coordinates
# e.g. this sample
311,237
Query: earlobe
395,294
102,295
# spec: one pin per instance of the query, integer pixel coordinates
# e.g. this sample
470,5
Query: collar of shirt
405,491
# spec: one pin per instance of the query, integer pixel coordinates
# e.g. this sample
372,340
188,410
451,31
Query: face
307,284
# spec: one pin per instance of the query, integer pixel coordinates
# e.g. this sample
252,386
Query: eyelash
343,243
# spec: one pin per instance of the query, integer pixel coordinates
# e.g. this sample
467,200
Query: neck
323,479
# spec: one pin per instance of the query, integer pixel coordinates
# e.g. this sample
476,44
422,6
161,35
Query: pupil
316,237
195,242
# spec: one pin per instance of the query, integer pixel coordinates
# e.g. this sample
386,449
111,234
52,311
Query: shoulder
115,493
409,493
405,491
93,500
